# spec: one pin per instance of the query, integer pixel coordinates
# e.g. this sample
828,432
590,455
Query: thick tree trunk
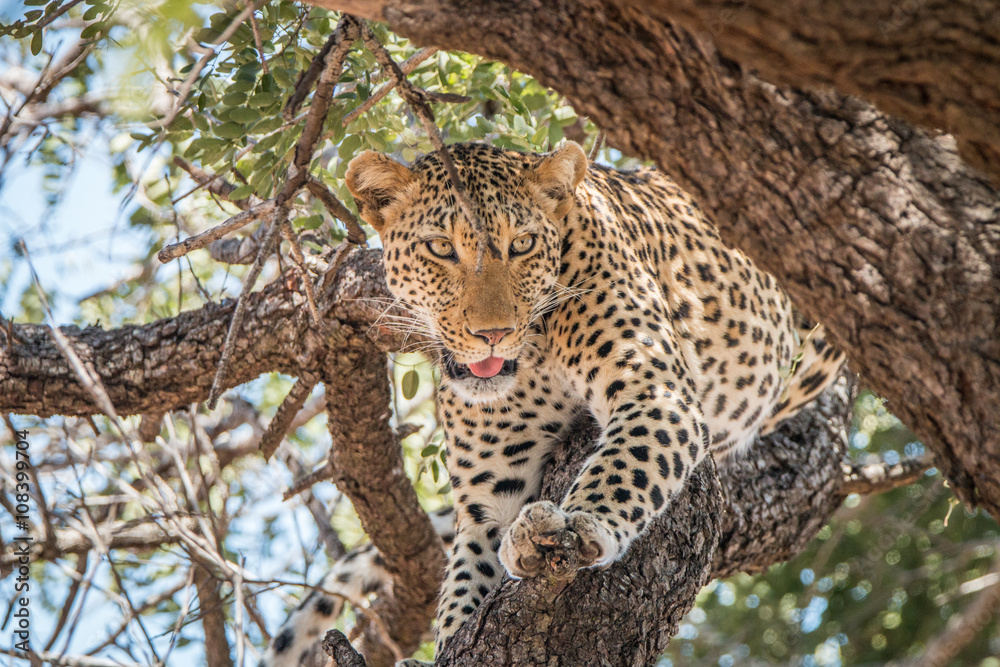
876,228
934,63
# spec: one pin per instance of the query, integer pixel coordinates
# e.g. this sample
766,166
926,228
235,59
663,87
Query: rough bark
213,619
876,228
930,62
169,364
934,63
358,399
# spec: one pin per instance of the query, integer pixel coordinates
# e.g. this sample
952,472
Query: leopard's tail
354,577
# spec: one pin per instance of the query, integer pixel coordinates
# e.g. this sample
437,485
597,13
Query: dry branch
355,233
881,477
406,67
286,413
171,252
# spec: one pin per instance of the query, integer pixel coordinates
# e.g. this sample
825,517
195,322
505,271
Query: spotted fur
358,575
626,304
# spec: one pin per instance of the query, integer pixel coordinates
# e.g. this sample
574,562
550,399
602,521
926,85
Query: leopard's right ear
376,181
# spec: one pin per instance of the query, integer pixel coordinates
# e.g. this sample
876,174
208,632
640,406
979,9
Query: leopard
553,286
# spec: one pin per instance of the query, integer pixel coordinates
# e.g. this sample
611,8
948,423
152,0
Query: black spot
480,478
477,512
639,479
622,495
662,437
639,431
641,453
510,485
661,461
324,606
614,388
657,497
514,450
486,569
605,350
283,641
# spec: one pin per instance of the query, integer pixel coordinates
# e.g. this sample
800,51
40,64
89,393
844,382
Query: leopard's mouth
457,371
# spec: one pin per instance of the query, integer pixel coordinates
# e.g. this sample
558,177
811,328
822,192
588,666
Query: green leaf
91,30
268,125
411,382
244,115
309,221
429,450
234,98
36,43
242,192
267,143
261,100
229,130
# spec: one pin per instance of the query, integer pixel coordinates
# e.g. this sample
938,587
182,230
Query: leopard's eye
441,248
522,244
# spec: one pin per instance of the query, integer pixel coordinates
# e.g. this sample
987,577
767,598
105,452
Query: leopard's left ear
376,181
557,176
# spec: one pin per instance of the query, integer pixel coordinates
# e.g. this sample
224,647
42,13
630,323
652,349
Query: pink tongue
487,368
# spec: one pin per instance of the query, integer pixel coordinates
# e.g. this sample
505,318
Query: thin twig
406,67
882,477
290,407
300,262
296,176
323,473
238,221
417,99
355,233
595,150
209,53
90,379
258,42
239,313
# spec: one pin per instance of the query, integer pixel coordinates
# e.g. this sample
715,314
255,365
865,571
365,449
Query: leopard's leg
496,455
653,436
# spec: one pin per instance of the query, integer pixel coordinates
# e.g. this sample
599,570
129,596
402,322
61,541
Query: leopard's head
480,319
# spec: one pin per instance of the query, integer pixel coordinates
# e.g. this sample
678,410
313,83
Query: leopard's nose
492,336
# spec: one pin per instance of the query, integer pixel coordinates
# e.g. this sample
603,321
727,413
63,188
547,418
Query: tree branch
168,364
881,477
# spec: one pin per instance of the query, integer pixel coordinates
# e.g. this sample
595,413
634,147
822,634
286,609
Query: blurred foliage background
137,89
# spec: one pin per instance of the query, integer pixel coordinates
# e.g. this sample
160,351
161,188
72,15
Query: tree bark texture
876,228
934,63
358,410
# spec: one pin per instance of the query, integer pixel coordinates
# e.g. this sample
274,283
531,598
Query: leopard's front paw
544,538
